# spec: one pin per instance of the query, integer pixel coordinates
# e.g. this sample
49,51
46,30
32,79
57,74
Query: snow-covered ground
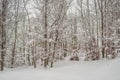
68,70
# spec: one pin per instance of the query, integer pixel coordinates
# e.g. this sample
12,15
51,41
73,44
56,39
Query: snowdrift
68,70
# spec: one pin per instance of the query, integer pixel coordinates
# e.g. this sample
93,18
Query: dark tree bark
46,33
3,32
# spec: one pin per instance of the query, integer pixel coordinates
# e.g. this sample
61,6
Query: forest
40,33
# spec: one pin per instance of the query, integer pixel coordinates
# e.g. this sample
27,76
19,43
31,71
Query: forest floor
68,70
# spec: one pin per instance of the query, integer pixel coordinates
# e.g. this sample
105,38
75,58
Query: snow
68,70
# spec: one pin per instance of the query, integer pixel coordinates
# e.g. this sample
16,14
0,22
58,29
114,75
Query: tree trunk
46,34
3,32
16,25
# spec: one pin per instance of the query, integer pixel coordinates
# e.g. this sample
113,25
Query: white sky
72,9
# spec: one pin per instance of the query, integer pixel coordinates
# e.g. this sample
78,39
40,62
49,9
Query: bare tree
16,25
3,13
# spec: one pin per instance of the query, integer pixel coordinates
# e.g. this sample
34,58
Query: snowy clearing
68,70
